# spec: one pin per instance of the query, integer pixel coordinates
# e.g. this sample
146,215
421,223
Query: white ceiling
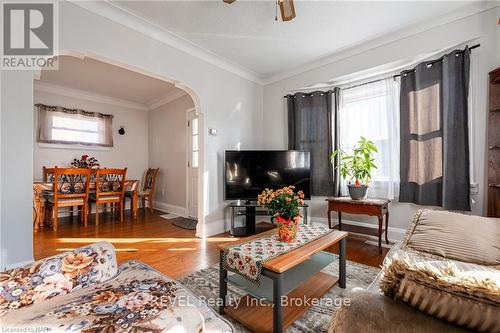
246,34
93,76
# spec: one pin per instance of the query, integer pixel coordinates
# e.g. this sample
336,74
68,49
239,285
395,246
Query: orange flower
106,296
76,264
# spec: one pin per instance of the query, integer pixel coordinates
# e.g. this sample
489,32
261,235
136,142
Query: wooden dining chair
48,176
109,189
148,188
70,189
48,173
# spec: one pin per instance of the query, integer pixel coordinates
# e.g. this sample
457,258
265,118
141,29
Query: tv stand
250,210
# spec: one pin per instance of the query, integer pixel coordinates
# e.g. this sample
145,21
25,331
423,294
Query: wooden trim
291,259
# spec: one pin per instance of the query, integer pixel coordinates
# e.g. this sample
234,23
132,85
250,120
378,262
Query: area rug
317,319
185,223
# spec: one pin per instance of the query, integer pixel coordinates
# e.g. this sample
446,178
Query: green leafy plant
359,165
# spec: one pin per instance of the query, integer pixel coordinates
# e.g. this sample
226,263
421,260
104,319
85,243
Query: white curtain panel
372,110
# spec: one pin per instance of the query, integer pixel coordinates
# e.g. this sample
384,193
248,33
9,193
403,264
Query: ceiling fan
287,9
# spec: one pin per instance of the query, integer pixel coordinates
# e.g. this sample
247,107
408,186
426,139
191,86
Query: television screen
249,172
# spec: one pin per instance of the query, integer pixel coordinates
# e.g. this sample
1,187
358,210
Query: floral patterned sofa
86,291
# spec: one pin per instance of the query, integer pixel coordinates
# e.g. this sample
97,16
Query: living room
214,52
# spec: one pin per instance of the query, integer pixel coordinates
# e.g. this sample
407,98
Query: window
372,110
57,125
195,151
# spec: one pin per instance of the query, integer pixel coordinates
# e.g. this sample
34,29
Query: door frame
188,154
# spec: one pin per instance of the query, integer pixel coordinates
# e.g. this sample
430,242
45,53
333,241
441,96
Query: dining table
41,187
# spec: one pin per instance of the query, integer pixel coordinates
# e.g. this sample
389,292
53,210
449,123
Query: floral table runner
247,259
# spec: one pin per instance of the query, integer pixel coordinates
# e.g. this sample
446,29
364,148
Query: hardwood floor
157,242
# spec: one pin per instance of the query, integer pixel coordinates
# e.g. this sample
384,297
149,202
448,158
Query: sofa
86,291
444,276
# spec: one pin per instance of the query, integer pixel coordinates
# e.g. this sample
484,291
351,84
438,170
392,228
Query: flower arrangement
86,162
284,204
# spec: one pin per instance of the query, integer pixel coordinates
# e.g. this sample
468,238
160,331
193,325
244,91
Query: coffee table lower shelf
258,316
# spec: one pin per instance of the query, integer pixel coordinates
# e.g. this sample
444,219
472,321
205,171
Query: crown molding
167,98
350,51
86,95
119,15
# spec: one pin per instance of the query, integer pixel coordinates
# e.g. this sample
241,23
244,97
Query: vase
287,228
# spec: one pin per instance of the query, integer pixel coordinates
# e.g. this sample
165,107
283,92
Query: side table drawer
356,209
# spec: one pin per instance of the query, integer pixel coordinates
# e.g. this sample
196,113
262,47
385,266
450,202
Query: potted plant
357,166
284,205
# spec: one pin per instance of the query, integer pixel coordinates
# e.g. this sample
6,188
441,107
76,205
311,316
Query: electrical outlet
474,188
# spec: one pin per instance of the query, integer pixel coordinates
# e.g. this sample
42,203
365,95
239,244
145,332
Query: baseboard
172,209
394,234
216,228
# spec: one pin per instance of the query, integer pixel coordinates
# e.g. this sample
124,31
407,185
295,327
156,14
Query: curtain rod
382,79
437,60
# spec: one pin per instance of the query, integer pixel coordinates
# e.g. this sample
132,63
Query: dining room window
59,125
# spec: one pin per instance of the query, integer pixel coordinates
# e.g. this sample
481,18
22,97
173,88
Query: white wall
167,151
481,27
228,102
129,150
16,171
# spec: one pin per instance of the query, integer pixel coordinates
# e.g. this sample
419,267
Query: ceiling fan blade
229,1
287,10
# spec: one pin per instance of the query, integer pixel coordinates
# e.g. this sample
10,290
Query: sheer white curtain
372,110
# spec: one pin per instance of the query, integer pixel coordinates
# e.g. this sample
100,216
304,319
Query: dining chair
70,188
148,188
48,176
109,189
48,173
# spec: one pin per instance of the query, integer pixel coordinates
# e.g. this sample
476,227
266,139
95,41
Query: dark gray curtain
434,161
310,129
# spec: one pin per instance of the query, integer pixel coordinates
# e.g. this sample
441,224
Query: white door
193,161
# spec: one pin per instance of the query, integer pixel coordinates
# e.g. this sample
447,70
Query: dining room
110,153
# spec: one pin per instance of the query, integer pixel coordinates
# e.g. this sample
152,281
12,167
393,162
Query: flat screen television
249,172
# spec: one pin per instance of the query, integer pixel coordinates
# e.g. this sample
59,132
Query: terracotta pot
287,229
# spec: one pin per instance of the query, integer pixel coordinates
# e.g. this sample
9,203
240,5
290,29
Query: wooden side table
371,207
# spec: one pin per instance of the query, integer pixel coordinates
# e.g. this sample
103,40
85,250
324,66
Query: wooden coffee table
295,274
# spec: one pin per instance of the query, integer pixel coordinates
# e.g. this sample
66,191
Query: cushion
456,236
371,312
93,197
139,193
57,275
462,293
76,201
138,299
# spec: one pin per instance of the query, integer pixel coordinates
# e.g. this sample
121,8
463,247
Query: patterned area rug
316,319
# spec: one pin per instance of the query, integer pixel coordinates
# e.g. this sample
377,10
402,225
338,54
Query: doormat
184,223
